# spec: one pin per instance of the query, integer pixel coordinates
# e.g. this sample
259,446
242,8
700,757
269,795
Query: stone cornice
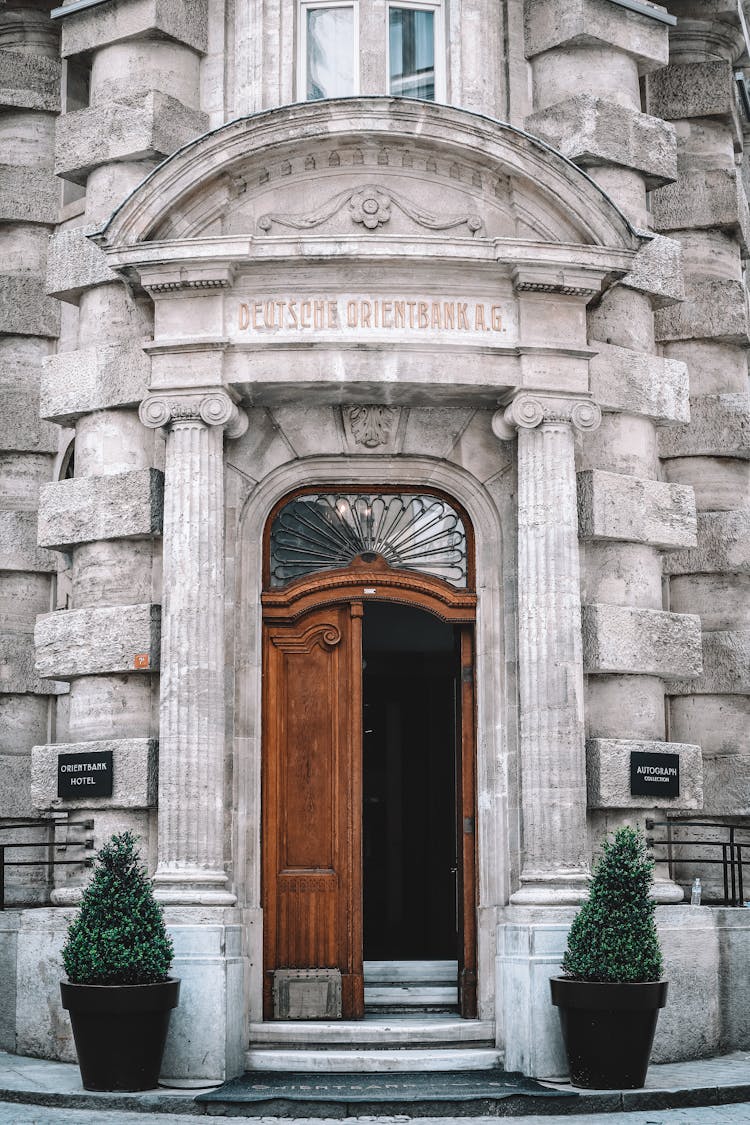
529,409
162,281
167,266
209,407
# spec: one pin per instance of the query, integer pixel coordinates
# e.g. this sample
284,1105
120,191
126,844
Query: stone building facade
297,370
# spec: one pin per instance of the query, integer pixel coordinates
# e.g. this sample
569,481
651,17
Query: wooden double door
324,680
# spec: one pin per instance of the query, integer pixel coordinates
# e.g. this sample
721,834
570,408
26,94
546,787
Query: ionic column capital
213,407
529,409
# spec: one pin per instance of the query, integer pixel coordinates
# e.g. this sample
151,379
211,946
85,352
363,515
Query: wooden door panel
312,885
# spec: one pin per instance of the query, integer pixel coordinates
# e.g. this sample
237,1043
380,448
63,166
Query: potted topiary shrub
117,956
611,992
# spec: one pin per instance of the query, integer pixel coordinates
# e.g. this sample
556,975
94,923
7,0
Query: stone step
407,1032
368,1061
411,996
410,972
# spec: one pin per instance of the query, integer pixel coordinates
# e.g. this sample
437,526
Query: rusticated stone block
726,785
719,724
28,195
99,378
149,125
18,544
722,601
23,720
719,427
657,270
714,310
87,642
21,479
134,773
608,774
704,199
17,673
593,131
726,666
21,428
719,483
558,23
644,642
25,309
15,795
637,383
138,19
29,81
696,89
723,546
121,506
634,510
74,263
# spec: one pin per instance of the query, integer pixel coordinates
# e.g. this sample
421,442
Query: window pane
412,53
330,53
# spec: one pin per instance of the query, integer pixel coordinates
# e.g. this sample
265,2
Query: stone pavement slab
714,1085
47,1115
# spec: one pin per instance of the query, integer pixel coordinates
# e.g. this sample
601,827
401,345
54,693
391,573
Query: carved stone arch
378,142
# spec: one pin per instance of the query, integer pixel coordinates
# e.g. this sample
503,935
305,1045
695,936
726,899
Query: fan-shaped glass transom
411,531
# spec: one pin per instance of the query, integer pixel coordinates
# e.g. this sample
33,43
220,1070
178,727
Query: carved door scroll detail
327,635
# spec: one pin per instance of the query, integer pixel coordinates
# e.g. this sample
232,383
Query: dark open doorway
410,682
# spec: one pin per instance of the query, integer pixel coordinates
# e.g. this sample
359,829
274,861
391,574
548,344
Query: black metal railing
48,838
677,843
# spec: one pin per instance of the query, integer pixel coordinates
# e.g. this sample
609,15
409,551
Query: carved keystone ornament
371,425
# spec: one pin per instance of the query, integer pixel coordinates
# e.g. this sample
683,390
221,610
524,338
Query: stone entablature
464,248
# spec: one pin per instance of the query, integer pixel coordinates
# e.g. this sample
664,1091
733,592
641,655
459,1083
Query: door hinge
468,826
467,675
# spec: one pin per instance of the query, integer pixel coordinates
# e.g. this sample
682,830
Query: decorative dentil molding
212,408
529,409
370,206
371,426
164,281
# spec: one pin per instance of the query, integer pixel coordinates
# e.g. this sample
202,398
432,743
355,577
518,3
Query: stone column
553,754
191,734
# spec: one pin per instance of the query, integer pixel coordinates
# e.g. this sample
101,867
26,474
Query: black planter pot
120,1031
608,1030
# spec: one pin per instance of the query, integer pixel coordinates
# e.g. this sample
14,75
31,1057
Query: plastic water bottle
695,894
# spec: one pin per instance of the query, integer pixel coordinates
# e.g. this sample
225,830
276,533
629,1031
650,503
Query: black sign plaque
654,775
84,775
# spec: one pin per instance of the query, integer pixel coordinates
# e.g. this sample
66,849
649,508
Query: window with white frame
407,48
415,51
328,50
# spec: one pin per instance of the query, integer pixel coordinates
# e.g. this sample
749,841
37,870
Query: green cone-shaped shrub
613,936
118,936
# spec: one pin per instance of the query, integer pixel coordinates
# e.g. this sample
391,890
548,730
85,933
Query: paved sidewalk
44,1115
712,1083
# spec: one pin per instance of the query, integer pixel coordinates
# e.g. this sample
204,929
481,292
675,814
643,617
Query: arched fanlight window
324,531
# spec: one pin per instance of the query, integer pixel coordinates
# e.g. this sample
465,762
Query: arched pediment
366,167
